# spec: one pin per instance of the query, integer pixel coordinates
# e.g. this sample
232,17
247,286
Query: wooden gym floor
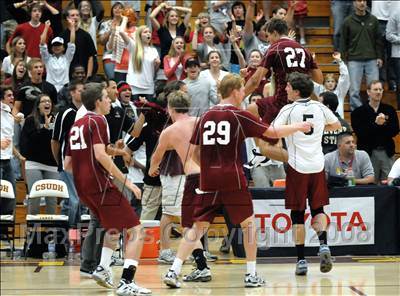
349,276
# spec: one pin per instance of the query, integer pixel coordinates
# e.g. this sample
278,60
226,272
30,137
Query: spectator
36,148
31,31
18,52
64,96
120,54
300,11
175,60
202,50
329,138
254,35
394,174
202,21
393,36
214,74
85,52
7,133
375,125
362,47
202,91
63,123
346,158
219,11
382,10
53,15
143,63
255,59
89,21
105,35
340,10
58,62
19,76
171,27
339,87
29,91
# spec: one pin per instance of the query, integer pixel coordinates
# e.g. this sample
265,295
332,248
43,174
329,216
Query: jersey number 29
76,140
216,133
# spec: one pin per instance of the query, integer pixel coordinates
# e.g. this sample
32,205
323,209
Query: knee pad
297,217
317,211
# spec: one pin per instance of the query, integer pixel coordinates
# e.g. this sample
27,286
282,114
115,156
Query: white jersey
304,149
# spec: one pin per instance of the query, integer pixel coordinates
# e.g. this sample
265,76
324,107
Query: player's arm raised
158,154
105,160
255,80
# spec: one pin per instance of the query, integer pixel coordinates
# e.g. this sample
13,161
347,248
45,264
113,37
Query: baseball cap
190,62
58,40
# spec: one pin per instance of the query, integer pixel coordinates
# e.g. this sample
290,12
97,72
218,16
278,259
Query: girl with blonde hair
18,52
144,62
175,60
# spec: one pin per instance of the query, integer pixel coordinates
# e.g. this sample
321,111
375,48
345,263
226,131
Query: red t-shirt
31,36
89,176
287,56
220,132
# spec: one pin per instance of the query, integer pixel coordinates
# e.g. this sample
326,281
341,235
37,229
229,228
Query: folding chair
7,222
47,188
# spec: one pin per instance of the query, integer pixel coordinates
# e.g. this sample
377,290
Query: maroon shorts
269,107
238,204
189,193
300,186
112,209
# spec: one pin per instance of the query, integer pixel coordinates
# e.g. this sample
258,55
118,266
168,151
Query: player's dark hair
277,25
91,93
330,100
343,135
302,83
179,101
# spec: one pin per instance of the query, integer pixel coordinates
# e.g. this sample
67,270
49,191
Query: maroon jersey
287,56
89,175
220,132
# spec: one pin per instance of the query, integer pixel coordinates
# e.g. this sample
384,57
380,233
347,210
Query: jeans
357,69
72,207
6,173
340,10
34,203
396,67
109,69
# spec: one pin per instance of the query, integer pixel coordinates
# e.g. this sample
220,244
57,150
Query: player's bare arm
333,126
255,80
286,130
317,76
68,164
156,158
105,160
55,149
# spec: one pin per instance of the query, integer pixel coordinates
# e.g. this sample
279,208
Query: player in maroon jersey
92,169
218,138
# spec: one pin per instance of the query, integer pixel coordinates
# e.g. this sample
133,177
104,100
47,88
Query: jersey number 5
76,140
305,117
291,57
216,133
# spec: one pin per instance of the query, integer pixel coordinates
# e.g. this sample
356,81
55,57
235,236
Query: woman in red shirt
175,60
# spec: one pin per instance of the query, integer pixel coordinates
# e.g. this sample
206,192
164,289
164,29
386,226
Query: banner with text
351,222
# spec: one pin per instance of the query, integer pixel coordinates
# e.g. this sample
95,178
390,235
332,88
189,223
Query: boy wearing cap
202,92
58,62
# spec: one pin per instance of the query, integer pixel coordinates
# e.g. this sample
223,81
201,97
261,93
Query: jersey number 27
291,57
216,133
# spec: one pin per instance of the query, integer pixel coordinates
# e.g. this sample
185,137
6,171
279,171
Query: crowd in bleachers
48,52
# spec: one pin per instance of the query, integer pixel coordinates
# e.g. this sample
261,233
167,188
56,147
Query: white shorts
172,193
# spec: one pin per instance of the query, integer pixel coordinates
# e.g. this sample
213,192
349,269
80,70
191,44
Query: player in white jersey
305,177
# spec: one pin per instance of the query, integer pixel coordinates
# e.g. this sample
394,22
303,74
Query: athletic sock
322,236
251,268
177,266
300,252
199,258
106,254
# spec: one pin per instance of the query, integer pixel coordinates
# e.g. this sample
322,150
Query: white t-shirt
8,67
395,170
305,151
145,79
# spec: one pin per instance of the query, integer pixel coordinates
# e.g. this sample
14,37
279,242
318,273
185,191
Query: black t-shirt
63,123
84,47
28,93
329,138
166,39
119,122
